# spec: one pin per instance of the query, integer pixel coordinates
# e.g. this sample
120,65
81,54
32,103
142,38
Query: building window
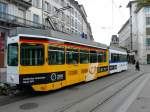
62,3
46,6
76,24
147,20
67,20
36,3
36,18
147,41
147,10
76,14
72,11
21,14
72,21
3,7
147,31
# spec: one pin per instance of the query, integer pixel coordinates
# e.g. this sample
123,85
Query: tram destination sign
42,78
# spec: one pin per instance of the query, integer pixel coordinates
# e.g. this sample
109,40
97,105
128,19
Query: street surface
122,92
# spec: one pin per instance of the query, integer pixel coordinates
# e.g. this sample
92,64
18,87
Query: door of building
148,58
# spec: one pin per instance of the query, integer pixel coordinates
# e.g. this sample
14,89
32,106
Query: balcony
8,20
24,3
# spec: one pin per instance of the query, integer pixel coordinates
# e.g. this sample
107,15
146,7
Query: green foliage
141,3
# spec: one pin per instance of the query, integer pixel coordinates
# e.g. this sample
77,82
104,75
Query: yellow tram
52,62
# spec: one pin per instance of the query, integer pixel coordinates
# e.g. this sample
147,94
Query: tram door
72,60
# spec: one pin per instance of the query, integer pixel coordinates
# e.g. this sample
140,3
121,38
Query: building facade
33,13
72,20
124,36
125,41
137,32
12,13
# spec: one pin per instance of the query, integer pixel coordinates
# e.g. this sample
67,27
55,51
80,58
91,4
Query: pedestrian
137,66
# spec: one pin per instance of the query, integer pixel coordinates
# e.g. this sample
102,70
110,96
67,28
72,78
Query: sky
104,21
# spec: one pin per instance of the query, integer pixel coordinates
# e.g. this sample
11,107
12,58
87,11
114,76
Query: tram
117,60
51,61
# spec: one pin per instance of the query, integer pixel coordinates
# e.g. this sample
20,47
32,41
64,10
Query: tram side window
123,58
13,54
100,57
120,57
56,55
72,56
104,56
93,57
84,56
32,55
114,57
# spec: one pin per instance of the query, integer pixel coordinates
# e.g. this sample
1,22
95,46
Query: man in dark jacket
137,66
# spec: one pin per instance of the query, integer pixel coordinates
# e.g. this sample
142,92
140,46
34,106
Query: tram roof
55,34
117,48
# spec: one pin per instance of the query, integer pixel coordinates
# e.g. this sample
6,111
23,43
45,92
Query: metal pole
42,13
131,28
112,15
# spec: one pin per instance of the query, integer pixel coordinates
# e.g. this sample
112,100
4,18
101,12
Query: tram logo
42,78
53,77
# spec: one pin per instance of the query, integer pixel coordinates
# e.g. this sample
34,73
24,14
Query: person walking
137,66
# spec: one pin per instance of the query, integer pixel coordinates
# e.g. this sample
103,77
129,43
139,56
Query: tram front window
32,54
13,54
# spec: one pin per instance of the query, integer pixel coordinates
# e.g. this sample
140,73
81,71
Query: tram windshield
13,54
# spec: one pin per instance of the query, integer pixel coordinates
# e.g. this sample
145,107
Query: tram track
69,106
22,96
114,94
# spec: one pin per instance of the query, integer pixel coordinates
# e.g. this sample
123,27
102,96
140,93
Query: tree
142,3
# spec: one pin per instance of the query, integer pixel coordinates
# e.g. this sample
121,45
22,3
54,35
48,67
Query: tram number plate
42,78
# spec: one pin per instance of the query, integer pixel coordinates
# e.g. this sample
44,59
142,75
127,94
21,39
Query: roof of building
57,35
126,23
